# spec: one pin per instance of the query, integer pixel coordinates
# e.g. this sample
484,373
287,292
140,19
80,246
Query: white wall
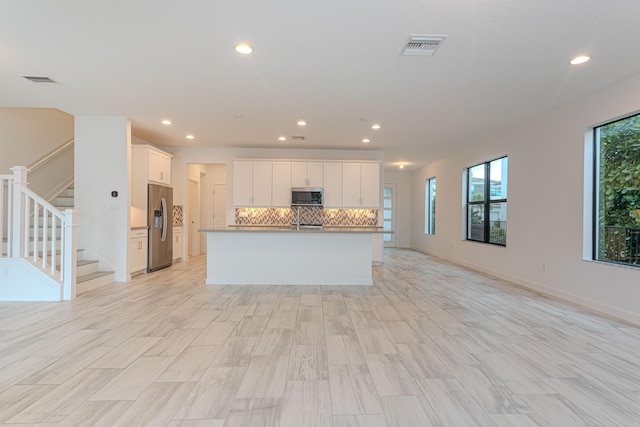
545,206
29,134
103,164
403,212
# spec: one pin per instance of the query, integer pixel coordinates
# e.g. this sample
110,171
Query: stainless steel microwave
304,196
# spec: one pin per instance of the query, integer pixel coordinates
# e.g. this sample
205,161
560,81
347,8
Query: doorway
389,214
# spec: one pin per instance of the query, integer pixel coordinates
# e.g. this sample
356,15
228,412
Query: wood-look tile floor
428,344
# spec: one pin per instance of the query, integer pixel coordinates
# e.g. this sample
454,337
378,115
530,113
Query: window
617,192
487,202
430,207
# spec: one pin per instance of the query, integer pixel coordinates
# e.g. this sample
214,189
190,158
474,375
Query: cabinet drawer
136,234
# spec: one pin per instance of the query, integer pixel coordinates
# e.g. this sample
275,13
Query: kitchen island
271,255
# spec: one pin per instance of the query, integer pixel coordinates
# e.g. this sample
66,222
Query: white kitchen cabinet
332,185
351,185
252,183
148,166
361,185
281,185
370,185
159,167
177,242
137,256
377,244
151,164
306,174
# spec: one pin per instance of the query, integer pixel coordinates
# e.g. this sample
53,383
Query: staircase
88,275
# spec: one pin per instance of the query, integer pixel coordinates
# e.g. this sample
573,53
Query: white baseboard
591,305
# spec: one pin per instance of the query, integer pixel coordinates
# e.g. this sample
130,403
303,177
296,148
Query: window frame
485,203
596,164
429,216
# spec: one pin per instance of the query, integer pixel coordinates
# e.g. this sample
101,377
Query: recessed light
579,60
401,166
282,138
365,140
190,137
166,122
301,122
243,48
375,126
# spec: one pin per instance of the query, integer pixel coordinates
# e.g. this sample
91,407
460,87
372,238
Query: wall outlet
544,267
243,215
371,216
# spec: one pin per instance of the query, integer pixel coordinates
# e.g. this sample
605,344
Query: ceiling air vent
41,79
422,45
298,138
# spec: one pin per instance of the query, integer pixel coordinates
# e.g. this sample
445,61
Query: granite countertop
142,227
293,229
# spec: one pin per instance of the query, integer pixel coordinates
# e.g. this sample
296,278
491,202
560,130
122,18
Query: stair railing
6,212
36,227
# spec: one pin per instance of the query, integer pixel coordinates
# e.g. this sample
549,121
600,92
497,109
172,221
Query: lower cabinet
137,256
177,242
376,248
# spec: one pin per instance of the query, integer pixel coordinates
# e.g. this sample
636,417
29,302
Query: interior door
390,195
219,205
194,239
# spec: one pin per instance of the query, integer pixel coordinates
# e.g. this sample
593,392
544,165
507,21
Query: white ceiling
333,62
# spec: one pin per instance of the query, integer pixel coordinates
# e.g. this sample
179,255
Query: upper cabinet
260,183
252,183
159,167
361,185
281,185
332,185
306,174
148,166
151,164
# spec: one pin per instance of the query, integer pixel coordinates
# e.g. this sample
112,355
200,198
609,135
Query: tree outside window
430,207
617,198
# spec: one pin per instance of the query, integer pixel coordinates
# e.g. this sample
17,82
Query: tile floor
429,344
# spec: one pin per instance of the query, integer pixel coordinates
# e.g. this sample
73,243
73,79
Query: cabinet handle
139,245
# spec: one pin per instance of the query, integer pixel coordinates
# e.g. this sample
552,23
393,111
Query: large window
617,192
487,202
430,207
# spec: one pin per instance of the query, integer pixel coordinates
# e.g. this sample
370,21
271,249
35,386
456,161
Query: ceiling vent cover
298,138
422,45
41,79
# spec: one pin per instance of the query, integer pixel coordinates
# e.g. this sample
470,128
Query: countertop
142,227
293,229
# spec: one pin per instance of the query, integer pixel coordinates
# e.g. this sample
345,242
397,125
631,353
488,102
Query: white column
102,166
19,180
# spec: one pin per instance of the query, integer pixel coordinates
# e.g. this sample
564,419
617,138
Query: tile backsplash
308,215
177,214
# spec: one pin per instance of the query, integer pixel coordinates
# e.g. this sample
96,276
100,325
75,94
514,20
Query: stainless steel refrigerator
160,222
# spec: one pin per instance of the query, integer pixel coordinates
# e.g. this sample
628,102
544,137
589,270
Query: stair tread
81,262
86,277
